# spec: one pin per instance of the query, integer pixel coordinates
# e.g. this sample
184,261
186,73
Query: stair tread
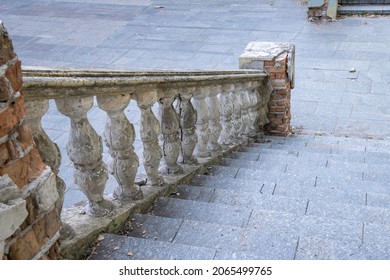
202,211
119,247
245,199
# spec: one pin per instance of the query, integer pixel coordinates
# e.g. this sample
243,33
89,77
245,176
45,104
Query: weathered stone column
150,131
277,59
202,122
237,112
170,140
85,149
225,137
245,108
119,137
188,117
49,151
253,110
215,118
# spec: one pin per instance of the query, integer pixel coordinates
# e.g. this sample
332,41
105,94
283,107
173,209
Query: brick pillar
277,60
29,220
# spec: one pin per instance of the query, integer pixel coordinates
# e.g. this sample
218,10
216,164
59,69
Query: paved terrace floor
342,68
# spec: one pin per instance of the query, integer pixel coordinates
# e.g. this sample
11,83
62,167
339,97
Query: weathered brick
4,154
6,47
14,75
4,90
268,63
25,136
39,232
53,223
24,170
11,116
25,247
273,69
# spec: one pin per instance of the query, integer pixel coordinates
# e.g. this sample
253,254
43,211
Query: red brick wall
20,160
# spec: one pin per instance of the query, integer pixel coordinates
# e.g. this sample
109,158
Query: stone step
226,191
371,172
332,180
244,199
119,247
266,228
260,186
202,211
361,213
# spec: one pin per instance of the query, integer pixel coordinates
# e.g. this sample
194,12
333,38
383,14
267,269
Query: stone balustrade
200,114
187,119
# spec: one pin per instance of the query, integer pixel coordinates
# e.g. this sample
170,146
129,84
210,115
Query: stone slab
263,187
258,244
152,227
349,211
255,200
116,247
201,211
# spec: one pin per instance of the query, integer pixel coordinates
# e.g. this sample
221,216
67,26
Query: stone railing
200,115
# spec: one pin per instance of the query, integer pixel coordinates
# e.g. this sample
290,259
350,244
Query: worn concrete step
301,177
202,211
222,190
303,156
244,199
371,172
304,173
347,142
260,186
119,247
370,155
263,238
361,213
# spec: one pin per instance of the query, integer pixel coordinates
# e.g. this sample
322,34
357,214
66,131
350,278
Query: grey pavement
342,67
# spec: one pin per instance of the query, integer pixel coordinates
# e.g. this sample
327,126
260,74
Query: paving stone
241,241
349,211
273,165
152,227
201,211
317,248
116,247
253,200
222,171
344,184
261,186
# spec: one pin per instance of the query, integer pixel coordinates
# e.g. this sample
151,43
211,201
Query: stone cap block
256,53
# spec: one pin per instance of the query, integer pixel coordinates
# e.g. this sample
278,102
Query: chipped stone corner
322,10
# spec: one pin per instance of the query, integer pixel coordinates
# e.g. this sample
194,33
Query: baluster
150,130
246,110
226,114
170,140
188,117
237,107
215,118
48,150
263,91
254,110
202,122
84,148
119,138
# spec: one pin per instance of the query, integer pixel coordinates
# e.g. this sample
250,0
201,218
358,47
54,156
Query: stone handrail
201,114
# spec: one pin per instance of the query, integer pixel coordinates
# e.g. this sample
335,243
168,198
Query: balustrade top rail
58,83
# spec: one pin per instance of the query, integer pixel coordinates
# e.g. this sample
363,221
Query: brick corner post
29,214
278,61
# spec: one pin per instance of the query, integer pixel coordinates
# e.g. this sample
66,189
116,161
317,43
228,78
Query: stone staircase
300,197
